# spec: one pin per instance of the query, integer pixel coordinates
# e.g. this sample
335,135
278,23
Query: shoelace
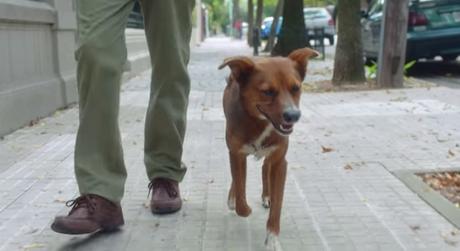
164,183
82,201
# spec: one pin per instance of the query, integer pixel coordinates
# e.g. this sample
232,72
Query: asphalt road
442,73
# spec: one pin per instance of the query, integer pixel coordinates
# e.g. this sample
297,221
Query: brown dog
261,106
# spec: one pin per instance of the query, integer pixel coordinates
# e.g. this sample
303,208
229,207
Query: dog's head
270,88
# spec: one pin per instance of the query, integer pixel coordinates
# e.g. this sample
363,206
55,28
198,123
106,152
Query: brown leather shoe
90,213
165,196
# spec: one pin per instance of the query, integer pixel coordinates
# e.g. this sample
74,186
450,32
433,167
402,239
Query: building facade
37,62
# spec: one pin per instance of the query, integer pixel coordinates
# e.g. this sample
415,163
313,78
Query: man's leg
168,26
99,166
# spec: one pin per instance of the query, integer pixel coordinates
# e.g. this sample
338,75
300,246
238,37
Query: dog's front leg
266,183
238,189
277,181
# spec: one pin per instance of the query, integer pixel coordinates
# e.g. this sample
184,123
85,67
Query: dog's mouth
282,128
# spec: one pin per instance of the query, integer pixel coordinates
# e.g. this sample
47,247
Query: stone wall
37,66
37,62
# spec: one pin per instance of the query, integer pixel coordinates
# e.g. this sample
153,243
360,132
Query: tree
392,53
236,17
218,15
293,34
259,13
250,21
276,19
257,23
348,64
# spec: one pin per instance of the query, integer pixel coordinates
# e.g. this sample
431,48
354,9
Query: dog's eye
269,93
295,88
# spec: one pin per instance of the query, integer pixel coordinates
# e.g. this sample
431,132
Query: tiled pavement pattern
327,207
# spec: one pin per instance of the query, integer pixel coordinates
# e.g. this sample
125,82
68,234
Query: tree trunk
259,13
276,18
293,34
392,52
236,17
250,21
348,64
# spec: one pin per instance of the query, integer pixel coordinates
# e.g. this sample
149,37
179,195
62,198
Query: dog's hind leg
266,184
238,168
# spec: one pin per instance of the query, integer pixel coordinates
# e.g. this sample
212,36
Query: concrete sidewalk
327,206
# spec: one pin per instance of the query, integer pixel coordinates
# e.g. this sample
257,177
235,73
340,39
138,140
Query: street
441,73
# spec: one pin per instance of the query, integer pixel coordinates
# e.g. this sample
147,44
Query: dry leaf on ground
326,149
348,167
33,246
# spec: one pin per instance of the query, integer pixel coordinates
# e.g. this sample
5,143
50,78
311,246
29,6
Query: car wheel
331,40
448,58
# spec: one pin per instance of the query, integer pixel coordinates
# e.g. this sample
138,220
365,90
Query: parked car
267,25
433,29
319,18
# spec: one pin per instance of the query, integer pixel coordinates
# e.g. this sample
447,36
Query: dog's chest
257,147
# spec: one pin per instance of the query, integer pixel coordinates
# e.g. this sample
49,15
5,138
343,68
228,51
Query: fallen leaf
348,167
33,122
59,201
451,153
415,227
157,224
399,99
325,149
33,246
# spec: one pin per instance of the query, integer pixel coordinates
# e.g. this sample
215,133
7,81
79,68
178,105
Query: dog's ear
300,57
240,66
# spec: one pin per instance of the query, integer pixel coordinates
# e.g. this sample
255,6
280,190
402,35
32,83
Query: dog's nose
291,115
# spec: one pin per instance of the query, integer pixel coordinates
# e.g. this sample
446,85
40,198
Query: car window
315,13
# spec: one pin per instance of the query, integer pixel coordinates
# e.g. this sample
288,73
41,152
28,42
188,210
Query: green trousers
101,55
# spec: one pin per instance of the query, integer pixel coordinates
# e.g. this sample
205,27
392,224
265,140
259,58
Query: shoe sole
61,230
164,210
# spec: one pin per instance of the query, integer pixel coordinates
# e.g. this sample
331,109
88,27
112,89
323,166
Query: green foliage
372,69
408,65
319,3
218,13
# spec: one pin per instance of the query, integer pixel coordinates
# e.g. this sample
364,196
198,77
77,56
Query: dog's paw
243,210
272,242
266,201
231,204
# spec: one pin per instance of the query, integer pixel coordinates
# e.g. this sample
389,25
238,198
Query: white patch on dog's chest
256,148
